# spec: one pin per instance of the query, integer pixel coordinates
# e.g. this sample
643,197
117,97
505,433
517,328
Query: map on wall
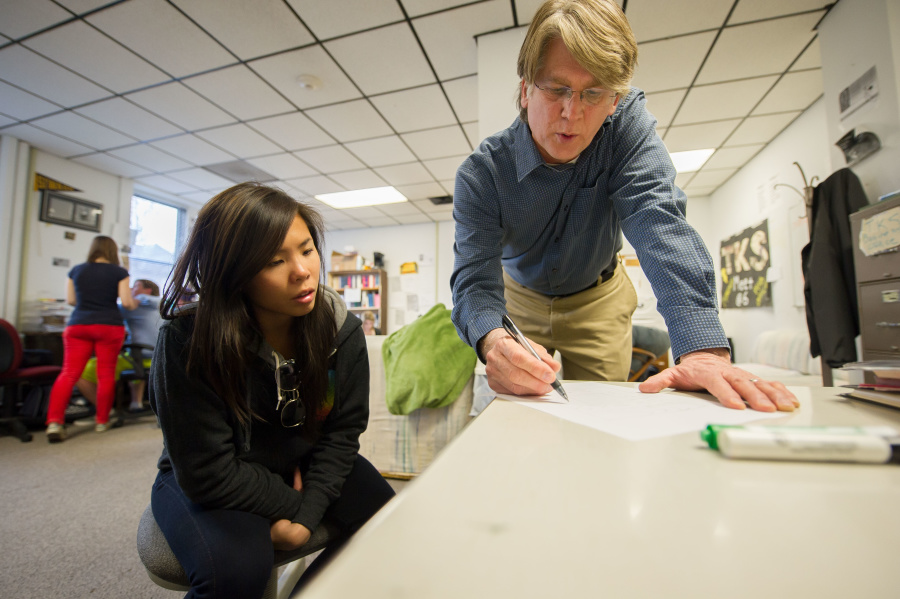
745,265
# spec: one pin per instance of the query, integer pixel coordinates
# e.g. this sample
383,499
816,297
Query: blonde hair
595,32
104,247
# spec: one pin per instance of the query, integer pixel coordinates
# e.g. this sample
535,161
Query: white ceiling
158,89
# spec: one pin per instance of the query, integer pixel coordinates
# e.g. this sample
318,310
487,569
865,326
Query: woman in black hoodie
262,389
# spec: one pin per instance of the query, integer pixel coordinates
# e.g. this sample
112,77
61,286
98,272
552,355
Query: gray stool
164,569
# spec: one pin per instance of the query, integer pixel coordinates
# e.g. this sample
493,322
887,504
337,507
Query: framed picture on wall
68,211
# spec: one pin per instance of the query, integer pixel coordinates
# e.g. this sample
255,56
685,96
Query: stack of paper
886,386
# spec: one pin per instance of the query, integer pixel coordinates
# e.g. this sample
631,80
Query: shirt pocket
590,209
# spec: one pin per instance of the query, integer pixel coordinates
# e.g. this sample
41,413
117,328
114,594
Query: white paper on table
626,412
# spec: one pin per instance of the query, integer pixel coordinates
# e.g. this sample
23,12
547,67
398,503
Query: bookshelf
371,287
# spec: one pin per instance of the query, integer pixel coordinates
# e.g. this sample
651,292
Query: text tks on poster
745,263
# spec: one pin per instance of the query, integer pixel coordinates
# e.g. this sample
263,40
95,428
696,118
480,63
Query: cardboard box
346,261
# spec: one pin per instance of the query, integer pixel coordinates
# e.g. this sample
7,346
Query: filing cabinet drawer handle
887,324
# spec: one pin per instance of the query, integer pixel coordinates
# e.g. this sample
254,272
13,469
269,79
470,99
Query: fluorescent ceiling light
688,162
362,197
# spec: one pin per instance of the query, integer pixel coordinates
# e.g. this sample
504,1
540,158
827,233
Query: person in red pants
95,327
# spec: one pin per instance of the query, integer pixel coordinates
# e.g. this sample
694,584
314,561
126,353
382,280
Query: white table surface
523,504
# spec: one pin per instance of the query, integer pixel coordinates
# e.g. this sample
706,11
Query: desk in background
45,340
523,504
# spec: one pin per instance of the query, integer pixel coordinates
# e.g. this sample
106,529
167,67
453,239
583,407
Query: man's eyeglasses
287,378
591,97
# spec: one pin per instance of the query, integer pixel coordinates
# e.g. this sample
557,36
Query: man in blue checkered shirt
540,209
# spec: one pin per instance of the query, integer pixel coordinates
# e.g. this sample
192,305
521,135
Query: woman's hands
287,535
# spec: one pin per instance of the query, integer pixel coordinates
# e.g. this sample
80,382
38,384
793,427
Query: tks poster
745,262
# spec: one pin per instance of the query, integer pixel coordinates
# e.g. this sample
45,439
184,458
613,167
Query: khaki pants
591,329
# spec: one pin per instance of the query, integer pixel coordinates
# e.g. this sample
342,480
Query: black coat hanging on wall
832,308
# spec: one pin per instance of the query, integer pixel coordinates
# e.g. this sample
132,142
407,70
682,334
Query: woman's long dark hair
236,234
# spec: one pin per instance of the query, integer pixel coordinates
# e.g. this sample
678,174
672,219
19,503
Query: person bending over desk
143,325
540,209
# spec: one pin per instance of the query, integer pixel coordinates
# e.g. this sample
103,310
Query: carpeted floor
71,511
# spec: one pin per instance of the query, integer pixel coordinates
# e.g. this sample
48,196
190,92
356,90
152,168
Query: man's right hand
287,535
511,369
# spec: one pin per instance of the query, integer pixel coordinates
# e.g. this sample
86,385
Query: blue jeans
229,553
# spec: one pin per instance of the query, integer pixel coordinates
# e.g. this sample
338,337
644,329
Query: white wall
430,245
854,36
749,197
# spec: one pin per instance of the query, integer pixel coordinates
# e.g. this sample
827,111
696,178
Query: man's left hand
711,370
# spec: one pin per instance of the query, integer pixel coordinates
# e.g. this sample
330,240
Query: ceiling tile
93,55
682,179
400,209
405,174
722,100
316,185
111,164
283,166
129,119
699,137
444,168
363,213
23,105
449,37
472,134
438,143
699,192
525,10
413,219
765,48
350,121
194,51
382,221
292,131
34,73
201,179
200,197
667,18
281,72
448,185
5,120
151,158
382,60
331,159
240,140
85,131
712,178
432,209
767,9
47,141
657,71
256,99
414,109
193,149
810,59
249,29
166,183
381,151
662,105
761,129
732,157
22,18
182,106
362,179
421,191
463,94
339,17
80,7
795,91
415,8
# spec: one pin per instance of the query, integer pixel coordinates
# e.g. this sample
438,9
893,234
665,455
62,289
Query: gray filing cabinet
878,288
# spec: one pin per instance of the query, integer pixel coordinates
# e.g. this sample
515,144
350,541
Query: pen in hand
516,334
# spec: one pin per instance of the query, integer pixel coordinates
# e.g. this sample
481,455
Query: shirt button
554,270
566,207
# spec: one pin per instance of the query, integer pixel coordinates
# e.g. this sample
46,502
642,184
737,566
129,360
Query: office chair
649,352
135,354
164,569
20,369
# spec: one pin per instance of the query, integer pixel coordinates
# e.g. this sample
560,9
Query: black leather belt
604,277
